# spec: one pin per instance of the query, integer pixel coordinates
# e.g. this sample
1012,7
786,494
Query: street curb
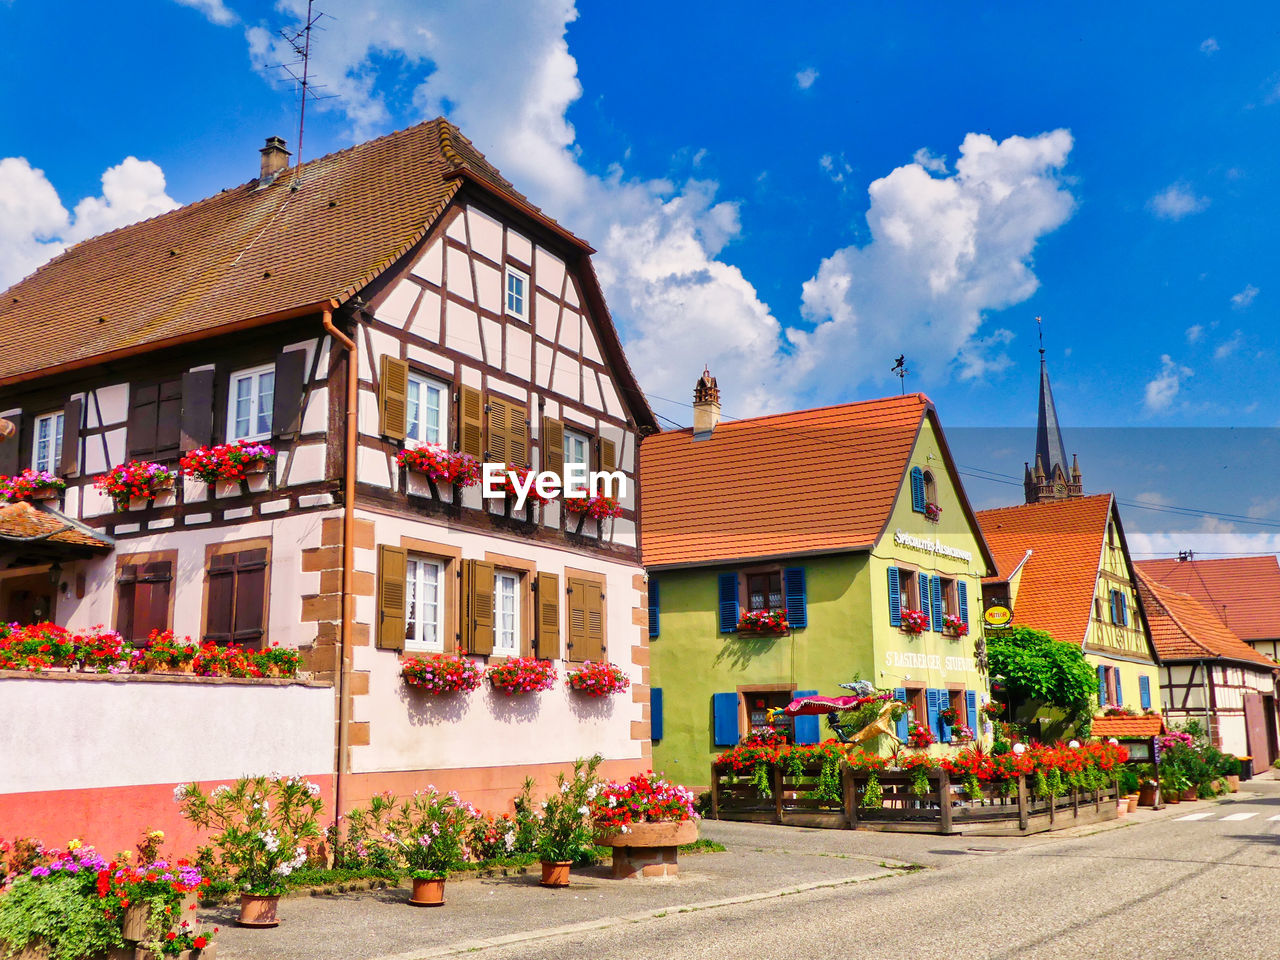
604,923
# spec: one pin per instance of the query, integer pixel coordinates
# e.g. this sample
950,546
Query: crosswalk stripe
1276,817
1240,816
1193,816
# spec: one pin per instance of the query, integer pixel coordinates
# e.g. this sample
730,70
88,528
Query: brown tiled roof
1059,579
1128,727
810,481
1183,628
1242,591
23,523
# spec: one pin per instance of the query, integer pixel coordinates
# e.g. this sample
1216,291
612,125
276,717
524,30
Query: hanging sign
997,616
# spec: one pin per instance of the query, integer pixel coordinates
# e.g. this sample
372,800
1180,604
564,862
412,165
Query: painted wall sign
929,545
929,661
997,616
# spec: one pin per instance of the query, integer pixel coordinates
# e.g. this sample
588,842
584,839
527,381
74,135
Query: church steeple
1051,479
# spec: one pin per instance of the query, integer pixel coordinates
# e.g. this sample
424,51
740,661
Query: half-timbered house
397,293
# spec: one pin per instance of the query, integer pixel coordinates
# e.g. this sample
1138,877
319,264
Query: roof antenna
1186,555
300,42
900,371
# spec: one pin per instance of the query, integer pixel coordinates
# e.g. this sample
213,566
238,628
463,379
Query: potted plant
264,824
522,675
932,512
232,462
598,679
440,674
1173,784
277,661
645,820
598,507
440,465
565,831
1230,767
763,623
950,716
920,737
31,485
164,653
135,480
429,828
954,626
915,622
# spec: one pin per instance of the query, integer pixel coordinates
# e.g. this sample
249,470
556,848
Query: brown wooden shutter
10,448
577,595
547,624
499,445
197,409
393,398
552,440
151,599
607,456
470,422
481,607
251,597
141,431
593,604
220,598
126,588
287,395
168,420
392,564
464,607
72,417
518,435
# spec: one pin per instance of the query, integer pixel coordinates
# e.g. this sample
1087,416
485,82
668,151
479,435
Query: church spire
1052,479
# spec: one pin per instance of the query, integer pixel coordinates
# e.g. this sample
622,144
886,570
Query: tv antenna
300,42
900,370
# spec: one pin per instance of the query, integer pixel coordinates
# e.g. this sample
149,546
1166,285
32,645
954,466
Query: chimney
274,159
706,405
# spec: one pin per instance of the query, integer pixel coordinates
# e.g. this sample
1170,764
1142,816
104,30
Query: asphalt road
1196,889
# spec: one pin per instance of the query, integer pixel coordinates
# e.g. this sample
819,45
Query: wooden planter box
649,849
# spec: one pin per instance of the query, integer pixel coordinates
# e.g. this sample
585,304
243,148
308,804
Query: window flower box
164,653
953,626
439,674
31,485
598,507
135,480
961,734
915,622
508,486
598,679
763,623
231,462
920,737
440,465
932,512
522,675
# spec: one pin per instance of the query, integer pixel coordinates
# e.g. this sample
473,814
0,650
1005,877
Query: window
1097,608
908,589
577,449
47,451
930,488
424,609
950,605
143,598
236,596
917,711
249,404
506,596
427,402
759,705
764,591
517,293
1119,608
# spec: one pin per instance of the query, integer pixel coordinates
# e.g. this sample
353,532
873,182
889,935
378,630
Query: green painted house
788,554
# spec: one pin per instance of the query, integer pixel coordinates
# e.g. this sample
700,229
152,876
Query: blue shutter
653,607
1144,691
917,490
895,599
1102,686
900,694
1113,607
1124,609
932,706
728,603
1119,692
655,713
806,728
971,708
796,594
962,591
944,729
724,716
935,588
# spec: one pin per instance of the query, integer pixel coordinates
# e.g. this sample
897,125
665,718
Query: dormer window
249,404
517,294
46,453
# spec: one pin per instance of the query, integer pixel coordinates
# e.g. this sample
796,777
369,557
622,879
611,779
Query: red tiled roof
1242,591
1183,628
23,523
1060,577
1128,727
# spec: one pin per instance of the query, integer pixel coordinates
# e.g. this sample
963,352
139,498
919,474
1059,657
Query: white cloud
1209,47
1208,537
1228,347
1245,297
931,162
943,252
1176,201
837,170
806,78
1154,498
1261,508
214,10
1163,388
1195,333
34,225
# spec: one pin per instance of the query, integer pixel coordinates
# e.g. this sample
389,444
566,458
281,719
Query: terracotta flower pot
258,911
555,873
1132,802
45,495
427,893
1233,782
1190,794
1172,796
1147,796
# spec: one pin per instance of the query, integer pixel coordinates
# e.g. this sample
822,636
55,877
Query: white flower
510,840
179,792
584,810
1074,744
220,790
591,792
613,801
1019,748
564,788
1114,742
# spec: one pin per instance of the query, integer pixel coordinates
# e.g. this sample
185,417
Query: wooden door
1255,725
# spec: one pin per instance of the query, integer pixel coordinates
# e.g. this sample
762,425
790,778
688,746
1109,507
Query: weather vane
1040,333
900,370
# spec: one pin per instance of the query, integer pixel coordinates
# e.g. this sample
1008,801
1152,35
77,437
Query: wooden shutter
72,417
655,714
971,710
151,598
935,590
480,607
724,719
594,605
796,596
10,449
917,490
498,446
220,599
552,440
517,435
727,590
126,588
895,597
607,455
287,395
903,725
962,594
577,598
470,422
392,562
932,705
548,621
806,729
197,409
654,611
1119,689
393,398
251,596
1144,692
1102,686
168,420
141,431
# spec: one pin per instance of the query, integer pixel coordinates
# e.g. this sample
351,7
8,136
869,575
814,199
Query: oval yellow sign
997,616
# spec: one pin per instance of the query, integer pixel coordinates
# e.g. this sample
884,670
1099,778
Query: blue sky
722,158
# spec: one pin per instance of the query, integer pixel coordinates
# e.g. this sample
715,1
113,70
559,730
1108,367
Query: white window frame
416,430
417,637
523,312
506,640
255,397
572,436
55,422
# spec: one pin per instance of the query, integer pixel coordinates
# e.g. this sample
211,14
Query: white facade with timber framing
404,272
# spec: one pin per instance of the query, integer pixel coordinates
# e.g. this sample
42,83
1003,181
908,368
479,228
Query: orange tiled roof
23,523
1183,628
1128,727
1058,581
809,481
1242,591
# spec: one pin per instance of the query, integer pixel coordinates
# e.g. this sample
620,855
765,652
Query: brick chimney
274,159
706,405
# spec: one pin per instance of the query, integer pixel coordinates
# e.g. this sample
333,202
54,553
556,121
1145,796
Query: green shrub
60,914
